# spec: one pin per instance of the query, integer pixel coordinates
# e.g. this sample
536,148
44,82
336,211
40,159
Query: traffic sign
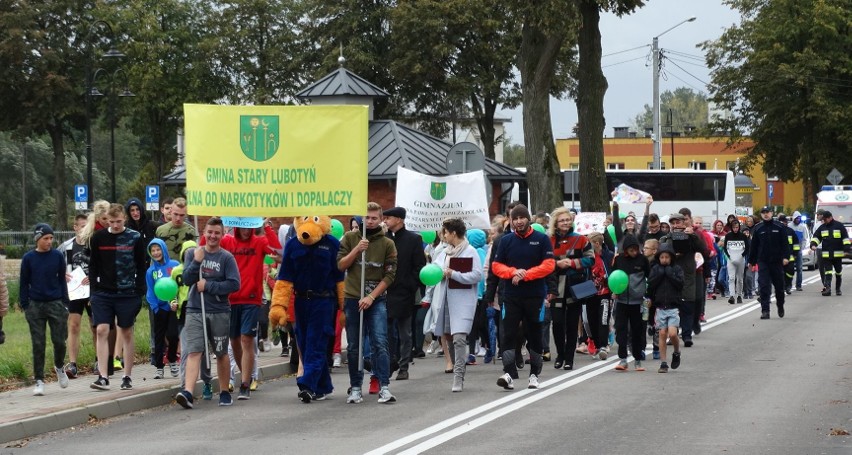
834,177
771,190
468,157
81,197
152,197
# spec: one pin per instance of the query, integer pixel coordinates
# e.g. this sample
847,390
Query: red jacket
249,255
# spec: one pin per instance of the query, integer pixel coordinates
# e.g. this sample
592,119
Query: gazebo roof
342,82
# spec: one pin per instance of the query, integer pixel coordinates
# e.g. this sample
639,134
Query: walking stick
360,311
204,326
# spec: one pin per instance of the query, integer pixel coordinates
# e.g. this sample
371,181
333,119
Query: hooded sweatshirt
476,238
157,270
736,245
177,273
665,285
249,255
146,227
637,270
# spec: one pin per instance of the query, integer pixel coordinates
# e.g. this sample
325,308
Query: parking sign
152,197
81,197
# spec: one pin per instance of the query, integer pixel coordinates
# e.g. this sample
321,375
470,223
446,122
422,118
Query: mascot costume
309,273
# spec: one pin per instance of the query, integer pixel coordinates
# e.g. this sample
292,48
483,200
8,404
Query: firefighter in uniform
832,236
795,249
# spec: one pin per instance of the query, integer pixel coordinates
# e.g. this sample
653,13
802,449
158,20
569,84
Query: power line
690,74
625,61
688,62
685,55
626,50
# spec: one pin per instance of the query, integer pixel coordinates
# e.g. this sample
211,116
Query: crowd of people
506,295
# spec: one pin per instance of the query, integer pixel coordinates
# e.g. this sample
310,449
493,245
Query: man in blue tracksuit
770,252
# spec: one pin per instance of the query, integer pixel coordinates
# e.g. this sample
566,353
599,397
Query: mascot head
310,229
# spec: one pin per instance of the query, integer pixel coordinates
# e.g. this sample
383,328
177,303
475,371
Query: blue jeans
376,322
493,315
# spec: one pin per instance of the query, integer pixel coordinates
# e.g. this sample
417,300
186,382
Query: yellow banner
276,160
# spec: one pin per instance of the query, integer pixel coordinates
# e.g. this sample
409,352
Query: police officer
831,234
769,253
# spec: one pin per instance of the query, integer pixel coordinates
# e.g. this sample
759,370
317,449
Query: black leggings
565,321
629,316
165,329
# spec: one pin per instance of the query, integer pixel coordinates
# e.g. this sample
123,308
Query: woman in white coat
453,299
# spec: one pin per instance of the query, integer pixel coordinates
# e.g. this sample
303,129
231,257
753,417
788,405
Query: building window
651,165
698,165
615,165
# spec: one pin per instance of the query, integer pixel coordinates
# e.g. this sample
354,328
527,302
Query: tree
546,33
591,88
42,62
513,154
451,56
689,109
785,72
362,31
257,49
170,61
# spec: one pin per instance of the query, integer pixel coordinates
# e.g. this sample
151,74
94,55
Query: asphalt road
781,386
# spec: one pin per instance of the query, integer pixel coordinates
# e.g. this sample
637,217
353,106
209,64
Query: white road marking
525,397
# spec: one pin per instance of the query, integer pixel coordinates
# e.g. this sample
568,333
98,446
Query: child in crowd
44,299
665,286
628,306
165,313
650,252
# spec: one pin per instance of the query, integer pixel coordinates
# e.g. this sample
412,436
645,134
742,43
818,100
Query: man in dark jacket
832,235
138,220
770,252
402,294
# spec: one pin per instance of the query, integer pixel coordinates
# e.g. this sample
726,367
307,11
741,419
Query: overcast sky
629,73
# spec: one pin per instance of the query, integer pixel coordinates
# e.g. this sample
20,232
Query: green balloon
166,289
431,274
617,281
268,260
428,236
337,229
538,227
611,231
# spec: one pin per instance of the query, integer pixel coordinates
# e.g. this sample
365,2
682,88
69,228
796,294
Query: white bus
708,194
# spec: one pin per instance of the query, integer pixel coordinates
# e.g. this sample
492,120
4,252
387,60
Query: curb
67,418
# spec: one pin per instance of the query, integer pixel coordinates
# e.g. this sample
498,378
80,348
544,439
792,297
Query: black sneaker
71,370
245,393
788,291
764,315
826,292
730,300
739,300
780,311
697,329
837,292
687,342
101,383
675,360
184,399
306,396
125,383
664,368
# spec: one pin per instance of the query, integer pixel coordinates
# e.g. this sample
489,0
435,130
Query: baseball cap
766,208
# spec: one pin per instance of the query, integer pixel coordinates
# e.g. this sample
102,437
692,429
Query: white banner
428,200
587,222
626,193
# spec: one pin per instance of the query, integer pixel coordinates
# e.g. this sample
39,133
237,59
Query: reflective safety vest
833,238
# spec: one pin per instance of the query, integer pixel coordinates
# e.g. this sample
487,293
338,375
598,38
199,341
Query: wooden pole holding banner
360,311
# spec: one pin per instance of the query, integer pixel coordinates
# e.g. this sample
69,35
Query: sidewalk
23,415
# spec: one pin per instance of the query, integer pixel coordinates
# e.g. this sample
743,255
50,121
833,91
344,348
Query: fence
14,244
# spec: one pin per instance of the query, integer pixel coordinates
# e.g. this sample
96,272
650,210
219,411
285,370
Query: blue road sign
81,193
152,197
771,190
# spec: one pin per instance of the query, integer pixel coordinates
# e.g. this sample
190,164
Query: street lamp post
655,61
111,53
112,95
